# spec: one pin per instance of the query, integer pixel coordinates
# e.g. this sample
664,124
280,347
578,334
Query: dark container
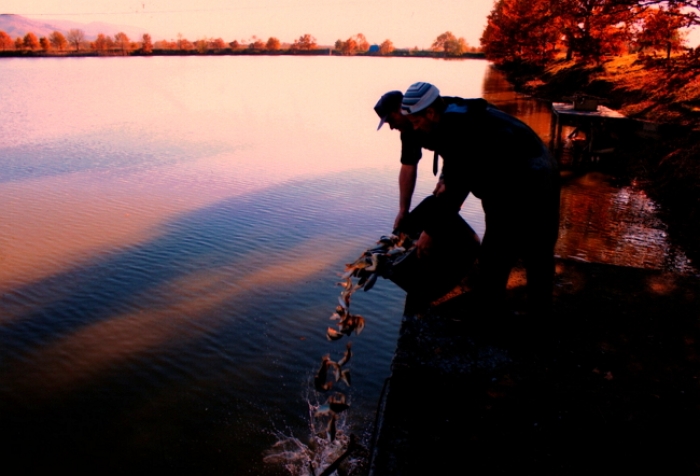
453,256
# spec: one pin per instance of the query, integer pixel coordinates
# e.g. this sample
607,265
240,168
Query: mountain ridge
18,26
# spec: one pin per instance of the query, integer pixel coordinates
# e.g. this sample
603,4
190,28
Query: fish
321,383
370,281
336,370
345,377
337,403
332,427
332,334
347,355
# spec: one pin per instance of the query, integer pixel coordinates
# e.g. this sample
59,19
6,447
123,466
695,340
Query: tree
31,42
218,44
234,45
305,42
58,41
122,43
386,48
5,41
146,44
521,31
273,44
449,44
202,46
45,44
257,45
19,44
660,29
103,43
353,45
76,38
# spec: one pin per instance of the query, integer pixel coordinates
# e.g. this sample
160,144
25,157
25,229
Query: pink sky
406,23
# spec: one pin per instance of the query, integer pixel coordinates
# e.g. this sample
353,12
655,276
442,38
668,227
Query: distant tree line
74,43
537,31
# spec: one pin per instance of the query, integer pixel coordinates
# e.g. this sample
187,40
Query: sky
407,23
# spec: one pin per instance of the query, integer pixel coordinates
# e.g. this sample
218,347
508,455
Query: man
504,163
388,108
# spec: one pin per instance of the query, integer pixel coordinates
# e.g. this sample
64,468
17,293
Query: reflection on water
169,250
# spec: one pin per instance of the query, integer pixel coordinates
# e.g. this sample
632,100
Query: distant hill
16,25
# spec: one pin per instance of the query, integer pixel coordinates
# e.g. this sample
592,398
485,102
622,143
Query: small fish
370,281
359,324
337,403
332,427
345,377
320,380
375,262
336,370
332,334
347,355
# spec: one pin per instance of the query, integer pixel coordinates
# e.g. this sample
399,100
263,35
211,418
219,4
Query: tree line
446,44
534,32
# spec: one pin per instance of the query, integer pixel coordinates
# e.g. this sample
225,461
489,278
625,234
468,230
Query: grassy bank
653,90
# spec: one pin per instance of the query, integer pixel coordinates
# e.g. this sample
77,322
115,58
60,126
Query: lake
171,236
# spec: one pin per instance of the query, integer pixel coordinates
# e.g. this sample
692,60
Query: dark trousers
522,223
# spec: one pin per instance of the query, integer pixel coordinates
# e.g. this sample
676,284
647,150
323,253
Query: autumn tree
386,48
449,44
521,31
256,45
31,42
58,41
45,44
305,42
353,45
234,45
76,38
19,43
273,44
202,46
122,43
5,41
217,44
101,43
660,30
146,44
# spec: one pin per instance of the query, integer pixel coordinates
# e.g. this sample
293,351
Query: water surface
171,234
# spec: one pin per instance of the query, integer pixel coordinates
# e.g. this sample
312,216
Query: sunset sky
406,23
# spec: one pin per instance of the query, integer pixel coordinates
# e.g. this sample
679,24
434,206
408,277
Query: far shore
404,53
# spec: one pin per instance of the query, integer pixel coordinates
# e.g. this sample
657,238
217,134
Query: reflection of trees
604,224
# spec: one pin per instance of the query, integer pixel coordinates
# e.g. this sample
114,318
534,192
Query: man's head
421,105
388,108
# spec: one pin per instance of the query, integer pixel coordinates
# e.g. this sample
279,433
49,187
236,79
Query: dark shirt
485,150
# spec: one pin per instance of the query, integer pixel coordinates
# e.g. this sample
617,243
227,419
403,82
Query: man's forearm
407,184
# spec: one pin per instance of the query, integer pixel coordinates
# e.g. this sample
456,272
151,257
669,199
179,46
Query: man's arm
407,184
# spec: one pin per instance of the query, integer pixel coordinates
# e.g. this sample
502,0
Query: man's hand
439,188
424,245
399,219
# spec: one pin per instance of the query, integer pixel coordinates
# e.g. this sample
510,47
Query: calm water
171,234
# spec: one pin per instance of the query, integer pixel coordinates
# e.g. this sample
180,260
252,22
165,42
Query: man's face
396,120
423,121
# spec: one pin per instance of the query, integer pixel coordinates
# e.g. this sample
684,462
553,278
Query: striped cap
418,96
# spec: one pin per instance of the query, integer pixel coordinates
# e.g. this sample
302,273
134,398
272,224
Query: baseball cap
418,96
388,103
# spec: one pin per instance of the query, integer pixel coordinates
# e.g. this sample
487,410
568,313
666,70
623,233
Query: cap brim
381,123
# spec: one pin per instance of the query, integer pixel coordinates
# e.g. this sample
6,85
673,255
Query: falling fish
332,427
337,403
345,377
347,355
321,379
